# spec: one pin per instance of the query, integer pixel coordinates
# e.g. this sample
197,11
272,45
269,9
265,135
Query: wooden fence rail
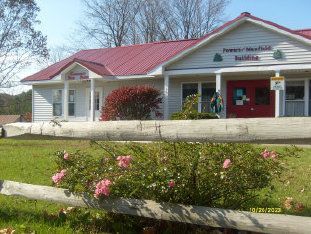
241,220
268,130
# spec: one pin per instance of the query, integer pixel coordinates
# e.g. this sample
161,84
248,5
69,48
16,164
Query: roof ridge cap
141,44
303,29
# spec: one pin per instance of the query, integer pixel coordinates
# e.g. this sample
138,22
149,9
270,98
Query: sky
59,17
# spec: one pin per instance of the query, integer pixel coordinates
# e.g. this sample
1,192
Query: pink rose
66,155
227,163
265,153
59,176
269,154
171,184
102,188
124,161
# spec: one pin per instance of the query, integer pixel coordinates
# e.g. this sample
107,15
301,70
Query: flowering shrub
208,174
132,103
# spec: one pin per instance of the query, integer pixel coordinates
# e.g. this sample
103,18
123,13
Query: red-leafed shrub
132,103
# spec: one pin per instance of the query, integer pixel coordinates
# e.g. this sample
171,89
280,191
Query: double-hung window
72,103
57,102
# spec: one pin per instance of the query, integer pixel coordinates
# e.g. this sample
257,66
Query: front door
250,99
98,103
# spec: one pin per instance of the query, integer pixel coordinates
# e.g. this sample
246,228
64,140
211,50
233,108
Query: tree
132,103
185,19
20,43
121,22
109,21
147,25
15,104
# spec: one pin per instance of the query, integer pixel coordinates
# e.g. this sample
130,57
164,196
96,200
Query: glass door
98,102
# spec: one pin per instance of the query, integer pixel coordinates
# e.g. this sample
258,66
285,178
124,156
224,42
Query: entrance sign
277,83
78,76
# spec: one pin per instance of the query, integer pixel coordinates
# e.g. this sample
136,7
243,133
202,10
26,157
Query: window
71,103
294,103
187,90
239,96
208,90
57,102
97,101
295,90
262,96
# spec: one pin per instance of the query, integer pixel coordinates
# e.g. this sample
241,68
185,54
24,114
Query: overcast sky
58,18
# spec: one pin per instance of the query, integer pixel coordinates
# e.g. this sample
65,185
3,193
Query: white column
218,82
277,99
66,94
32,105
165,96
200,97
92,114
284,99
307,95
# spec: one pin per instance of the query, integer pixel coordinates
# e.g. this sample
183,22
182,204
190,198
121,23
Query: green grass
295,182
31,161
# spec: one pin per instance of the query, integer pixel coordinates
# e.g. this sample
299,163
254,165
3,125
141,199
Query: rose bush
207,174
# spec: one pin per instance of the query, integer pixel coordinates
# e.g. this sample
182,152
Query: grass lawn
31,161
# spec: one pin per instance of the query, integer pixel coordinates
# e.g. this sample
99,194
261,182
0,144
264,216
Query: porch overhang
237,69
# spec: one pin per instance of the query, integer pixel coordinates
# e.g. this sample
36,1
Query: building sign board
247,53
277,83
77,76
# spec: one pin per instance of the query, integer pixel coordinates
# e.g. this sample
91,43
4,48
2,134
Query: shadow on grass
19,216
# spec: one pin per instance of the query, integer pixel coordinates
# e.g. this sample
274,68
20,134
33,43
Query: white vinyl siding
246,35
42,104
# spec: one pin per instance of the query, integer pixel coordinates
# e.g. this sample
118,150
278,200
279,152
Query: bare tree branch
20,43
119,22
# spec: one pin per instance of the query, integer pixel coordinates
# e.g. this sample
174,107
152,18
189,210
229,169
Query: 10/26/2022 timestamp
265,209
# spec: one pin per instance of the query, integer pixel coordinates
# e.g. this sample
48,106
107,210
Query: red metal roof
306,32
138,59
119,61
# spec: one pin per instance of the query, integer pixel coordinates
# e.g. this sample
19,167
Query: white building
237,59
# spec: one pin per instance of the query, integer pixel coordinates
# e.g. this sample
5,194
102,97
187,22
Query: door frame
87,103
250,86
